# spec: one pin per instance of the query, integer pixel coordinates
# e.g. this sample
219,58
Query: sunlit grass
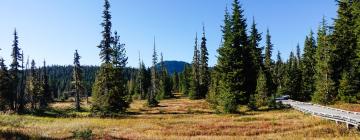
179,119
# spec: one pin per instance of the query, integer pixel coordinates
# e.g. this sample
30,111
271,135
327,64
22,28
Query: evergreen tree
77,80
5,88
22,83
308,67
118,55
152,102
262,90
14,71
165,81
297,73
141,86
256,50
251,56
110,94
230,65
292,79
268,64
268,51
213,96
278,75
325,90
105,45
195,77
185,82
44,94
343,40
204,68
33,86
175,81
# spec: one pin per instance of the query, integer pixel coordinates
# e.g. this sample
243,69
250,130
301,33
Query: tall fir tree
268,51
204,72
165,81
77,80
33,86
308,67
15,71
325,90
176,82
195,75
110,94
105,44
251,56
142,86
268,63
256,50
230,63
279,71
152,102
297,80
44,94
344,52
22,83
185,82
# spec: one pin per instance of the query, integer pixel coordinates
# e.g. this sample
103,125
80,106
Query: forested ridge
325,71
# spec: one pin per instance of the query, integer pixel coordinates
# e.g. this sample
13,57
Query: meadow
178,118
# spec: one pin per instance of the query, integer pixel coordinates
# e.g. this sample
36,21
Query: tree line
245,74
326,72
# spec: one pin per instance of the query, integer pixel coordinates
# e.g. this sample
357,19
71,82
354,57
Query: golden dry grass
347,106
180,119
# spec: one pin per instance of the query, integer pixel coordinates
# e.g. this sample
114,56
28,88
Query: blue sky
53,29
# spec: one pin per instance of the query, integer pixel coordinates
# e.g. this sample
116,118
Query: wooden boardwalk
351,119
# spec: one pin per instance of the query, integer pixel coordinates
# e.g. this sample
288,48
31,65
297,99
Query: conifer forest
243,95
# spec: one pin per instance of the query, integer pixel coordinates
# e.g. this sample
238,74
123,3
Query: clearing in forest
178,118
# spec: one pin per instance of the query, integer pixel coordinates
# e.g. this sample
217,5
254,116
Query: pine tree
256,50
252,57
278,75
14,71
343,40
118,55
175,81
105,45
213,96
262,90
204,68
141,86
292,79
195,77
33,86
268,52
152,102
22,84
185,82
308,67
44,94
165,81
325,90
5,88
110,94
77,80
297,79
230,63
268,64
